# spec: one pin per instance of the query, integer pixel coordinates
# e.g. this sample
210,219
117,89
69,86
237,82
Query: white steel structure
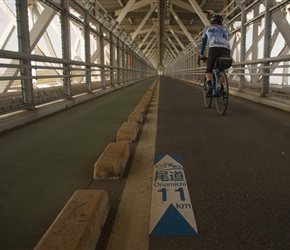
260,44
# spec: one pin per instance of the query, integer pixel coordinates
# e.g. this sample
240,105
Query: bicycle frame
215,75
220,91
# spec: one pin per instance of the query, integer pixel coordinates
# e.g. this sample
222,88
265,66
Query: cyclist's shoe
209,90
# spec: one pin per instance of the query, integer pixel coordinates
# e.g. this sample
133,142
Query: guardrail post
24,47
267,47
88,52
119,57
123,61
112,53
243,44
66,43
102,56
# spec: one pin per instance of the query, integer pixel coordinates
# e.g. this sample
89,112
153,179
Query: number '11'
163,192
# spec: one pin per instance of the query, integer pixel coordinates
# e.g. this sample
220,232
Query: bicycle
220,84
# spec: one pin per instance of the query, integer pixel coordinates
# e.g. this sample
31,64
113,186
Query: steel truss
260,42
53,49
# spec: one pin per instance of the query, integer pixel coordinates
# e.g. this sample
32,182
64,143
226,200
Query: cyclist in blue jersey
218,38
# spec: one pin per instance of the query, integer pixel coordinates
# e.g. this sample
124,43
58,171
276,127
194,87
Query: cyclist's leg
210,63
213,53
221,52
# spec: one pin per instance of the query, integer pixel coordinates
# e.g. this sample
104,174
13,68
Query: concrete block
148,95
112,162
145,101
136,117
79,224
141,108
128,132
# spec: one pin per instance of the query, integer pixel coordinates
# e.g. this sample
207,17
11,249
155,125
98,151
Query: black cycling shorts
213,54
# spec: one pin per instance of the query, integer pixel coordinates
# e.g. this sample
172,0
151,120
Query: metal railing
260,48
90,53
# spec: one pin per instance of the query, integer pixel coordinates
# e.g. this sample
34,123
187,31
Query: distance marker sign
171,209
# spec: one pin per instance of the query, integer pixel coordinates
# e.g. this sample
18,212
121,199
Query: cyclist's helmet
216,18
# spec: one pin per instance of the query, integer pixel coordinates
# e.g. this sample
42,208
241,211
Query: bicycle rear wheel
207,99
221,101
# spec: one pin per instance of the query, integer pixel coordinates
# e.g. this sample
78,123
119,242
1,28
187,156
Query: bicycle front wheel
207,99
221,101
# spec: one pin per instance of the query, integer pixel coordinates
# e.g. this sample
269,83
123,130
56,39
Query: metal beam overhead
125,10
188,35
144,21
199,12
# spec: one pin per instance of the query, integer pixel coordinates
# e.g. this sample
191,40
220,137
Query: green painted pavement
44,162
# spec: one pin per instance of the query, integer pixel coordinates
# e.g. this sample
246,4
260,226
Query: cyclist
218,37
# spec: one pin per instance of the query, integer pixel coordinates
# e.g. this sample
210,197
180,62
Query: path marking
171,209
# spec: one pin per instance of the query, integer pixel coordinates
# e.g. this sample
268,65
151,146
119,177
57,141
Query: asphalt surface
237,168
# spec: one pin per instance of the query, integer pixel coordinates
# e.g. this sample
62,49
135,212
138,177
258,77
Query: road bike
220,85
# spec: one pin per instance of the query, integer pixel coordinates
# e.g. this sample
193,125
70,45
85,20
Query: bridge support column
24,47
267,47
66,43
243,44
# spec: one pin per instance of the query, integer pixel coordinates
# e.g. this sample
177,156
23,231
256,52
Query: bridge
76,74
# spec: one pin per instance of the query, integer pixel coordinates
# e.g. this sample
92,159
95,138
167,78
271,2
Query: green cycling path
44,162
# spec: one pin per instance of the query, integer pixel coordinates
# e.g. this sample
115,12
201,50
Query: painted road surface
171,208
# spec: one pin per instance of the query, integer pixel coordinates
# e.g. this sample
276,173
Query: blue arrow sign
171,209
172,223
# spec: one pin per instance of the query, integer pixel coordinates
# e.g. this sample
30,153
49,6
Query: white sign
171,209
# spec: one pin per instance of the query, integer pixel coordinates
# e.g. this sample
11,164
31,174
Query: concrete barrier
148,95
145,101
112,162
128,132
79,224
136,117
141,108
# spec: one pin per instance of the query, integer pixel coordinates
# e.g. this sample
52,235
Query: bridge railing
260,47
53,50
247,69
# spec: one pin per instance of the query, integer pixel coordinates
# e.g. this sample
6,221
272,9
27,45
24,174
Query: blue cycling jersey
217,35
